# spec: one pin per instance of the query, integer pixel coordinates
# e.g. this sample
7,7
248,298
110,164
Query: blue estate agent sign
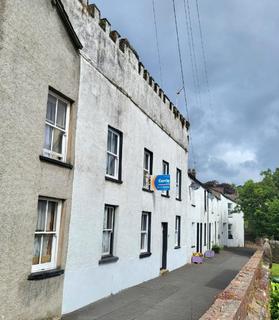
162,182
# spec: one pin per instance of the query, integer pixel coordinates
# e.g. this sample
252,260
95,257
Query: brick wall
246,294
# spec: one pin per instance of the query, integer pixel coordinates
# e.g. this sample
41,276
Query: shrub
274,301
216,248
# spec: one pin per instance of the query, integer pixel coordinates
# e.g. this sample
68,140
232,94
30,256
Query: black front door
164,245
209,236
198,238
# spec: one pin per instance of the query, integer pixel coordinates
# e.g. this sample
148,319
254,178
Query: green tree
260,204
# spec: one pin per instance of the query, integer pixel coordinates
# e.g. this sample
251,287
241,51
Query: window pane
146,161
110,218
105,218
41,216
47,249
61,114
109,142
51,107
143,241
57,141
51,216
146,179
144,222
48,137
106,242
111,163
114,143
37,248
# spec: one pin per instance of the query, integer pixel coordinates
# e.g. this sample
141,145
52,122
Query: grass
275,270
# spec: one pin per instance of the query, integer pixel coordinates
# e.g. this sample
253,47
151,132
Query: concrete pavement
184,294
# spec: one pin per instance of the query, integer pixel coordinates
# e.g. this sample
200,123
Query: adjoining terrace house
122,232
39,68
215,218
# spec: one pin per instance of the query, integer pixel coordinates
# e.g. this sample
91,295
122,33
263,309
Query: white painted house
215,218
232,224
122,232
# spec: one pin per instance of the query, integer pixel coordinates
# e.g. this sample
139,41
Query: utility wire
157,41
189,26
180,60
194,75
182,73
203,51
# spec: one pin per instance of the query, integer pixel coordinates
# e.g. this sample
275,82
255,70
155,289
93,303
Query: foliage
275,270
216,248
260,204
274,301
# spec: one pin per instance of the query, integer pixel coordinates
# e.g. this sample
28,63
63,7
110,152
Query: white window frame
146,232
178,184
115,156
52,154
147,171
55,241
177,231
110,230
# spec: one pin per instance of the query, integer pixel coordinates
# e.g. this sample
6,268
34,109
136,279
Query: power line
157,41
190,51
180,60
182,73
189,27
203,51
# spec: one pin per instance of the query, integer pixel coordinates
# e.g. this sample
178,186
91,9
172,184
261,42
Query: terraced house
215,218
123,231
39,66
62,62
84,128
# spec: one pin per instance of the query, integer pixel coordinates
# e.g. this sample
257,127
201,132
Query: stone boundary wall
234,303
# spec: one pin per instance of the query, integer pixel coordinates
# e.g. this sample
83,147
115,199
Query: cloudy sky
234,120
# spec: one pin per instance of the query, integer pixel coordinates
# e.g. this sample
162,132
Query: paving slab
183,294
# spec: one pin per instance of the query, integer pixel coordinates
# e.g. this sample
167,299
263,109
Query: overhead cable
182,72
157,41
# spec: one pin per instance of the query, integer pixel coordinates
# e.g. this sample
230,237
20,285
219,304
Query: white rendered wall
217,213
100,105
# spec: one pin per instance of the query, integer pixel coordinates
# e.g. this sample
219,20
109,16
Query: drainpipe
207,234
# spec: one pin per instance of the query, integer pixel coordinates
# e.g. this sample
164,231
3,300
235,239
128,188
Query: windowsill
108,259
177,247
147,190
107,178
165,195
145,255
178,199
41,275
56,162
193,205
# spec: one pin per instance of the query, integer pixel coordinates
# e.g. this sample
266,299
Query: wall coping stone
233,302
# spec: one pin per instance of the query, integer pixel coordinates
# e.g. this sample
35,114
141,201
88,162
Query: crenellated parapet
117,58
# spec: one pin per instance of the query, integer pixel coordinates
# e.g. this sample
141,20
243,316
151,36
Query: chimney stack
192,173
